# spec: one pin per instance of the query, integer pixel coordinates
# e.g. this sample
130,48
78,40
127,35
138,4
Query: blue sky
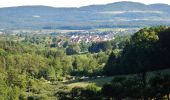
69,3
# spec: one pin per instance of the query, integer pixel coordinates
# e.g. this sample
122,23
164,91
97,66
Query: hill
119,14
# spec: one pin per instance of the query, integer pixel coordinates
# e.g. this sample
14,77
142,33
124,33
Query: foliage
146,51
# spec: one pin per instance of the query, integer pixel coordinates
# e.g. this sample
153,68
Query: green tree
51,75
107,91
110,67
3,88
73,49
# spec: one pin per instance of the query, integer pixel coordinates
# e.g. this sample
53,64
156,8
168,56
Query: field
100,81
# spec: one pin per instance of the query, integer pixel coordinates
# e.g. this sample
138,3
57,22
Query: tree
160,86
72,49
58,68
92,92
13,93
163,48
107,91
77,93
118,87
133,87
109,68
51,75
16,80
100,46
66,65
3,88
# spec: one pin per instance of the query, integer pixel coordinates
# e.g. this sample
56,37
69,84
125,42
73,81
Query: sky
70,3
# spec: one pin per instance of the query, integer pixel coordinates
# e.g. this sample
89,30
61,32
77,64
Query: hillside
119,14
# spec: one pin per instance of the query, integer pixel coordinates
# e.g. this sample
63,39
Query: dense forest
31,69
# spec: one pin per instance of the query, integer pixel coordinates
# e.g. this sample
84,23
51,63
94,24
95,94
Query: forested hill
119,14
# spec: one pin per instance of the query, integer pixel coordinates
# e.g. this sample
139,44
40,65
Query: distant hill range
119,14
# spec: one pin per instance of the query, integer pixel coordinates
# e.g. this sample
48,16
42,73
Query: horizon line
84,5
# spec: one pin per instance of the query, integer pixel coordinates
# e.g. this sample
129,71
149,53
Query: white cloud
69,3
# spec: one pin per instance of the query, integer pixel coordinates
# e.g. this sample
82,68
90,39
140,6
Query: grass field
98,81
102,80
